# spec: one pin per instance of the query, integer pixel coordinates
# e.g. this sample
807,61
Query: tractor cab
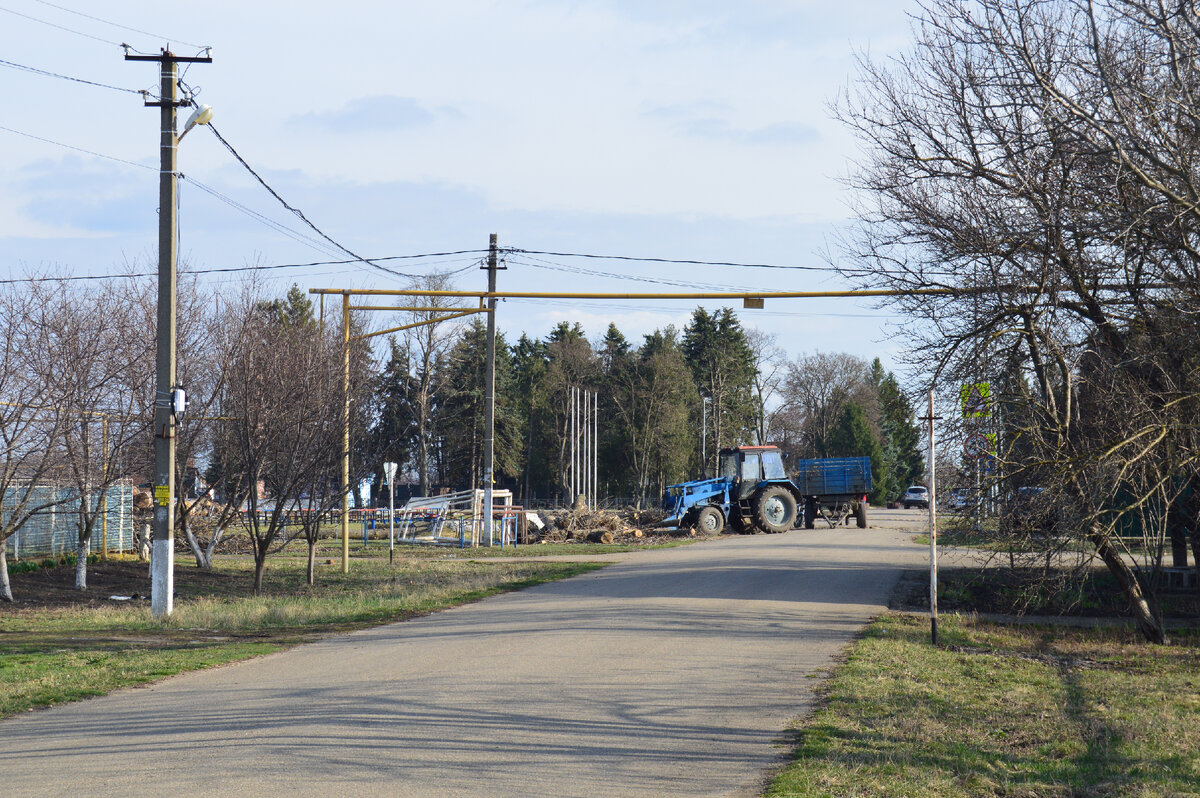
748,467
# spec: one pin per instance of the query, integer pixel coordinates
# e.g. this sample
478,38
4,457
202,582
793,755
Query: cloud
375,114
710,120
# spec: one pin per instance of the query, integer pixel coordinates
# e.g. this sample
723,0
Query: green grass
49,656
1003,711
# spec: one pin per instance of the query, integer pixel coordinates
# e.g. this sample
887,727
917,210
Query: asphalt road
670,673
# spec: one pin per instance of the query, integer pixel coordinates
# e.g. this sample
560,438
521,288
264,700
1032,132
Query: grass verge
1003,710
49,655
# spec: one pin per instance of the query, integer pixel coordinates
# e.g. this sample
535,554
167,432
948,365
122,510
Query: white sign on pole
389,472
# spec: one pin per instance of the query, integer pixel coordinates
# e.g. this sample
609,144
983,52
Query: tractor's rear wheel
710,521
775,509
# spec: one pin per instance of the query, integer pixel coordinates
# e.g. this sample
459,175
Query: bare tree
282,396
815,390
769,372
30,425
97,361
1038,157
429,345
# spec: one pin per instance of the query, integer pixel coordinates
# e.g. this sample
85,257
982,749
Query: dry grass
1003,710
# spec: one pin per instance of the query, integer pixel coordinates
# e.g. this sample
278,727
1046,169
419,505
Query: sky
684,130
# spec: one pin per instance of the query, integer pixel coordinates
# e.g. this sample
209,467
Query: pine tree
722,365
851,436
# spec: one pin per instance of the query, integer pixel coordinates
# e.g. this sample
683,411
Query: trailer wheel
862,515
810,514
710,521
775,509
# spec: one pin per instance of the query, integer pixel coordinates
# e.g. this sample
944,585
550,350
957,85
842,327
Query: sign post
389,472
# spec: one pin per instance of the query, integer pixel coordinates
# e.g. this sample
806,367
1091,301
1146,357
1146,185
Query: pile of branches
597,526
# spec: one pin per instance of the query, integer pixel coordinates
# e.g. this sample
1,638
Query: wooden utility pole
489,392
162,561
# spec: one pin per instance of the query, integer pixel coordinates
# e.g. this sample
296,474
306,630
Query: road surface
673,672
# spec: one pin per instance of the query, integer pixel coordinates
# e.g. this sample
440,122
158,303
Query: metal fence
55,530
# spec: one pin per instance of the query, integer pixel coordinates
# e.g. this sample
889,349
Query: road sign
976,400
389,472
977,445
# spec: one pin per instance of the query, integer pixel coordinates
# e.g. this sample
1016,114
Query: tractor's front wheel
775,509
710,521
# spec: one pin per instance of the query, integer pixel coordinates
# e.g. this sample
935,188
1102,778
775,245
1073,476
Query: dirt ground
49,588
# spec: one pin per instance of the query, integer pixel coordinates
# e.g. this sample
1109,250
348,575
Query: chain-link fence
55,530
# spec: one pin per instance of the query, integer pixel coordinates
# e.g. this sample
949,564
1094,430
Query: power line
295,210
266,267
118,25
679,261
48,74
61,27
77,149
543,264
278,227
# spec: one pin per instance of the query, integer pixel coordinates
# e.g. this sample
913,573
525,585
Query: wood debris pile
598,526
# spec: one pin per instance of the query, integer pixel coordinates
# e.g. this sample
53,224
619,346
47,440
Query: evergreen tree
393,432
900,439
531,359
851,436
654,403
295,309
722,365
462,411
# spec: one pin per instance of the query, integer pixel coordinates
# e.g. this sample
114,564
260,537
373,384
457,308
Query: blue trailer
834,488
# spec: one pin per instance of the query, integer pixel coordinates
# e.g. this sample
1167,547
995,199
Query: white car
916,496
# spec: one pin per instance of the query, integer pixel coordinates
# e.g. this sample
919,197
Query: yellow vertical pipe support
346,433
104,493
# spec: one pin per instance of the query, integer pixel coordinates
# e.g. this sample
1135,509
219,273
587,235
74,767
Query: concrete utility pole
162,562
933,575
489,392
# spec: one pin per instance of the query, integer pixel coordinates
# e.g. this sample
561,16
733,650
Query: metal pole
596,448
162,560
933,608
345,433
391,520
587,448
104,493
489,393
571,440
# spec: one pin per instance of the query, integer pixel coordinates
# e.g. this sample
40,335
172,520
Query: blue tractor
751,493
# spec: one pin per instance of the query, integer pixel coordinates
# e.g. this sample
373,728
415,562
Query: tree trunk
1177,532
310,571
1150,626
81,558
203,558
260,564
5,587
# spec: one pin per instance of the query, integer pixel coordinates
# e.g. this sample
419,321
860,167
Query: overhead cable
261,267
118,25
78,149
293,209
61,27
680,261
36,71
